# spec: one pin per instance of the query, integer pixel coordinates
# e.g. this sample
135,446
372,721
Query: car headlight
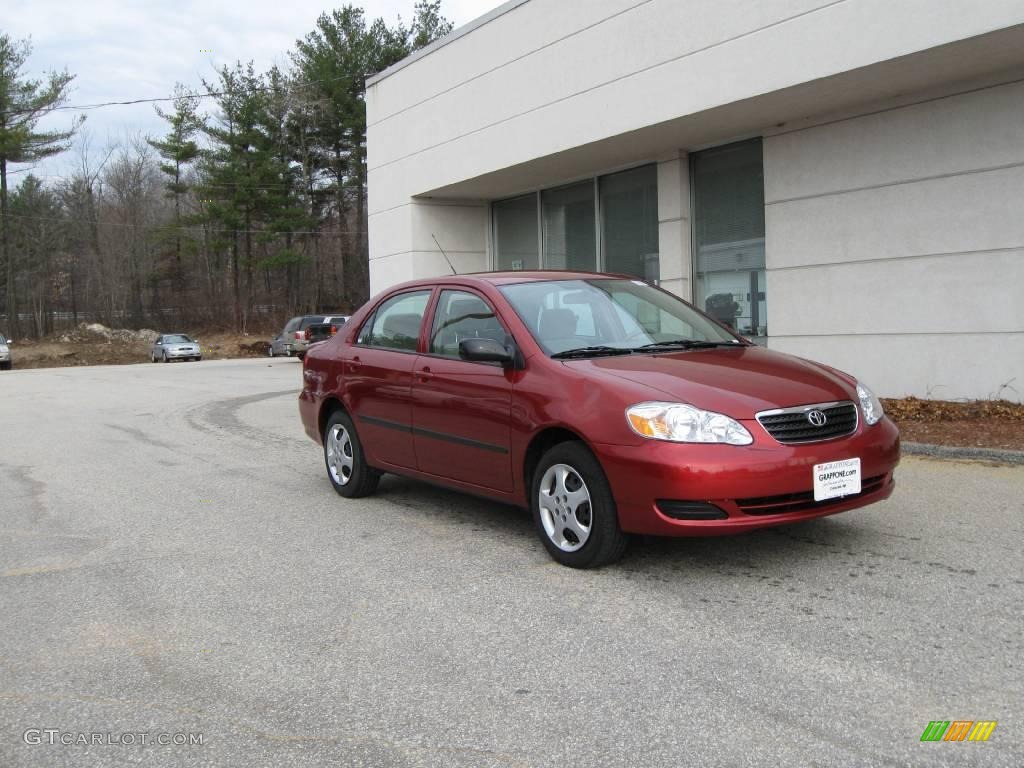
680,423
870,405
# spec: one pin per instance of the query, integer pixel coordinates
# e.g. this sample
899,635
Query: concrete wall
895,244
545,77
894,168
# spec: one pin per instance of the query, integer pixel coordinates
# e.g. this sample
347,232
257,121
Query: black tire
606,542
6,366
363,479
166,360
300,355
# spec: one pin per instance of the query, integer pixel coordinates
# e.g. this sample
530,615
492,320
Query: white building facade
838,179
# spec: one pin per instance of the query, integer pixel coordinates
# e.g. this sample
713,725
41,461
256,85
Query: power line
70,220
197,187
204,95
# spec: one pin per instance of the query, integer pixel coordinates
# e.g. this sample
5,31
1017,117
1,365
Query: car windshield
610,316
179,338
2,339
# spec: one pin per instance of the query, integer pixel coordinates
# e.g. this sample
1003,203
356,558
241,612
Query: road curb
951,452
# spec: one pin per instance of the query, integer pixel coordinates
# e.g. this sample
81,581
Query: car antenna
444,254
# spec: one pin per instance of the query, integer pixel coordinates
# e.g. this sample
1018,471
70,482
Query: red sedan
607,406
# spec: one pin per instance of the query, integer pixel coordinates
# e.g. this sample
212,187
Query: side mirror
485,351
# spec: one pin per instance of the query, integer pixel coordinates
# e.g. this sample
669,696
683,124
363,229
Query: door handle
353,364
425,374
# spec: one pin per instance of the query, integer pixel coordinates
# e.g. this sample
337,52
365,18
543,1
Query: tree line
254,197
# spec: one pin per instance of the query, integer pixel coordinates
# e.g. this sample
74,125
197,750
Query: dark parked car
324,331
294,339
607,406
5,354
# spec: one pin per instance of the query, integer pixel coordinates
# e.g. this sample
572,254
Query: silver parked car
5,354
175,346
294,340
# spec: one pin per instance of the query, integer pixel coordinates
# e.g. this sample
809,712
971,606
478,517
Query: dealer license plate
836,479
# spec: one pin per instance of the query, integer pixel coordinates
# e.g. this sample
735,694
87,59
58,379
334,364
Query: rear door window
293,325
396,323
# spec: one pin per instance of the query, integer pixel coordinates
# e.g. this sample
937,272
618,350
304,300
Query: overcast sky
120,50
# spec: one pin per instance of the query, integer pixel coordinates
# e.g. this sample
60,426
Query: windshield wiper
590,352
687,344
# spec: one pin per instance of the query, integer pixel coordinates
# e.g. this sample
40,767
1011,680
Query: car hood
737,382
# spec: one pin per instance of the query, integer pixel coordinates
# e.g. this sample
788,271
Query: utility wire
205,95
73,220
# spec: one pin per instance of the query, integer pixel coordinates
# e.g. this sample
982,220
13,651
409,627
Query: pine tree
23,102
178,150
334,61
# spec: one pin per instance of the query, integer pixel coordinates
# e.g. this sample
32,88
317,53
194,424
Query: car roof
509,278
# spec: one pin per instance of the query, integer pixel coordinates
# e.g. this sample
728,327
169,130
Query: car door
378,371
461,410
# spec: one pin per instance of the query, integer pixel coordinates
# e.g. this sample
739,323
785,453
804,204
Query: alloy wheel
565,507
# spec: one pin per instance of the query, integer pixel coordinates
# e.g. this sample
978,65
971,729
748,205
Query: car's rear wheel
574,510
346,463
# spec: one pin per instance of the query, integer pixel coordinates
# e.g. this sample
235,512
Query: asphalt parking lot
174,561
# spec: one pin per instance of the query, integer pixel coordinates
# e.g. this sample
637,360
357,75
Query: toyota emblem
817,418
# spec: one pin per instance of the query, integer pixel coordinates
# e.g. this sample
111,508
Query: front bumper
748,484
187,353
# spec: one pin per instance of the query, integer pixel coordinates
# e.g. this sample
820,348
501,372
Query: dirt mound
260,348
95,333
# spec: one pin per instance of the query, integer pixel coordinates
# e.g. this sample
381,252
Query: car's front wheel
574,510
165,358
346,463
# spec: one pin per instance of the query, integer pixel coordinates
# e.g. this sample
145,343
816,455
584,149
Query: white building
843,179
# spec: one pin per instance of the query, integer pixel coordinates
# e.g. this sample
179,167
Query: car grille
791,425
803,501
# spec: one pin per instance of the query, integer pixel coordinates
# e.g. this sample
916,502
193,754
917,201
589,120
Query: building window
516,242
607,224
728,235
570,236
629,222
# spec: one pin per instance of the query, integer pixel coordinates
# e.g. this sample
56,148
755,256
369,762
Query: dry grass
84,348
914,409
